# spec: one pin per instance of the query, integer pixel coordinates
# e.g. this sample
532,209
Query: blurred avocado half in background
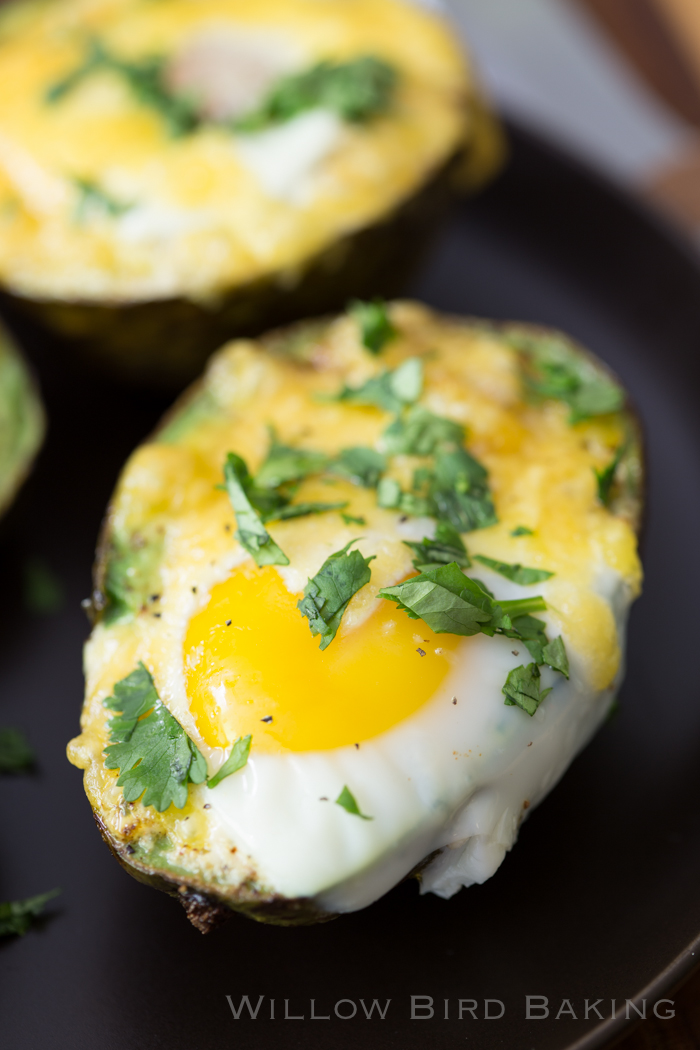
173,174
22,422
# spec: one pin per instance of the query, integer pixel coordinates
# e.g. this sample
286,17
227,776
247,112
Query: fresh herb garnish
93,200
154,754
16,917
356,90
521,530
251,533
328,593
363,466
553,369
350,519
301,510
376,330
236,760
420,433
42,591
460,491
390,496
146,78
452,603
522,688
445,548
15,753
517,573
391,390
347,800
554,654
606,477
284,464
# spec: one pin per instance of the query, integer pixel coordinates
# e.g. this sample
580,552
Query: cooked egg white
413,722
200,213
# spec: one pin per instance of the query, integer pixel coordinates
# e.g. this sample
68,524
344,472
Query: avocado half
536,377
22,422
153,204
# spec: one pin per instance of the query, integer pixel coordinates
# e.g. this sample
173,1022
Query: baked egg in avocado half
22,422
359,602
174,174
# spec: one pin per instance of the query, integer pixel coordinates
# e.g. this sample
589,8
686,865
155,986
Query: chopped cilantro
301,510
15,753
389,493
346,799
460,491
356,90
521,530
16,917
390,496
517,573
43,592
376,330
606,477
553,369
350,519
554,654
251,533
452,603
363,466
445,548
94,201
284,464
328,593
154,754
390,390
236,760
420,433
522,688
146,79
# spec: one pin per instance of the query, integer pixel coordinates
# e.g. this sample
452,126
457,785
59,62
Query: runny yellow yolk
266,663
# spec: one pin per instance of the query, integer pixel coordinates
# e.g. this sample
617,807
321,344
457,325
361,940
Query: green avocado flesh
21,420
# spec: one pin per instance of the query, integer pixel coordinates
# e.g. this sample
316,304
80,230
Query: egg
370,744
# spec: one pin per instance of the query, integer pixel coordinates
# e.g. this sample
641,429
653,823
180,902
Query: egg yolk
253,666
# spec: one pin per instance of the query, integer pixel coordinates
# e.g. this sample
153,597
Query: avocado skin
163,344
206,910
22,420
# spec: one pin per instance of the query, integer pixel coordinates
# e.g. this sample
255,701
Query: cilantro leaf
376,330
521,530
551,368
554,654
15,753
284,464
390,390
420,433
251,532
301,510
93,200
522,688
390,496
445,548
237,759
346,799
363,466
350,519
461,493
532,633
452,603
517,573
154,754
606,477
328,593
355,90
146,79
16,917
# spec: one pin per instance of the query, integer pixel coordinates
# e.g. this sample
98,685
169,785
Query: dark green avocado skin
164,344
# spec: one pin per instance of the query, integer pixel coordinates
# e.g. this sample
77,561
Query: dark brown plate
599,900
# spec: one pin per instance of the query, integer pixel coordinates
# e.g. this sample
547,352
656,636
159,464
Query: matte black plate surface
601,893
